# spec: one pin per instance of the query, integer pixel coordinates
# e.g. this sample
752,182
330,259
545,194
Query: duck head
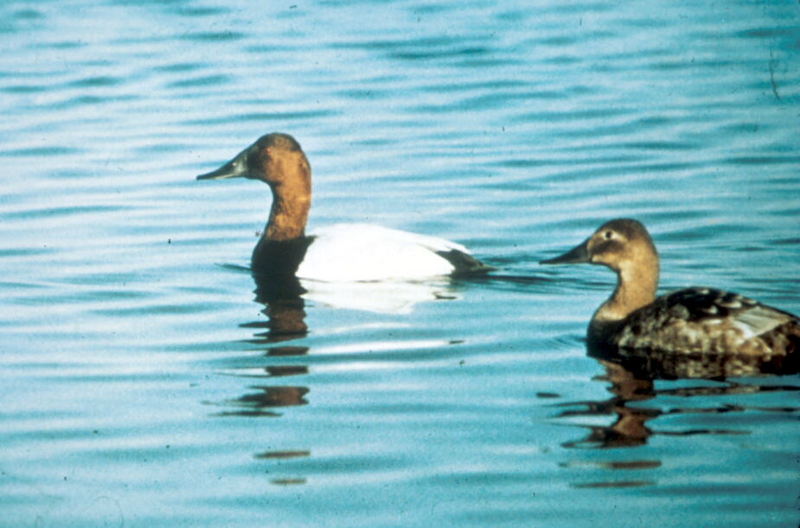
276,159
620,244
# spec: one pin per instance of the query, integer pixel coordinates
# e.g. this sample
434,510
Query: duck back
709,321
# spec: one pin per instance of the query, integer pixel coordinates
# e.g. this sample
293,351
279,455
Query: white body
363,252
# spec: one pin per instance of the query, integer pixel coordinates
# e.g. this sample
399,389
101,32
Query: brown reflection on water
261,402
288,481
283,454
284,311
284,308
633,382
279,371
630,428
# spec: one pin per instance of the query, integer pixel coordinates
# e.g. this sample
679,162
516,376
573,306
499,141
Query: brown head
619,244
625,246
275,159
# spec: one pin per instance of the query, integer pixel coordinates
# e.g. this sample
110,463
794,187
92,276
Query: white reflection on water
395,297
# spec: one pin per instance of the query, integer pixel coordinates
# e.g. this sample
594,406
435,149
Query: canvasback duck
688,321
340,252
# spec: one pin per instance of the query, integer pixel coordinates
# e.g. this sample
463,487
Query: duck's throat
288,217
634,290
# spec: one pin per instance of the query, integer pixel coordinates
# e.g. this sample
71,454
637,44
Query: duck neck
289,213
636,287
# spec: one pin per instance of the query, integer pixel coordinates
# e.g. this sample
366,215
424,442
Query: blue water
144,384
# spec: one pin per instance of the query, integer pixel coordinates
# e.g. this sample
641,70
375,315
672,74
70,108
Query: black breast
279,257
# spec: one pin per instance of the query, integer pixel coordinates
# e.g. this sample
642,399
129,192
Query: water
142,384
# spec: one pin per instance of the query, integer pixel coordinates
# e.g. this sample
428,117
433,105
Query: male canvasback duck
688,321
340,252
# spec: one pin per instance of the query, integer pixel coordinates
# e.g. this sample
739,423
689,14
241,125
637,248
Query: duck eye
608,235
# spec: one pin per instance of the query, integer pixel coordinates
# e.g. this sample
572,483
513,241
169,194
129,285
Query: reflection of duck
686,322
630,427
285,298
262,402
284,307
388,297
341,252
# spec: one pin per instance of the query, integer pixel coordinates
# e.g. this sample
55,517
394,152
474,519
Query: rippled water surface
145,383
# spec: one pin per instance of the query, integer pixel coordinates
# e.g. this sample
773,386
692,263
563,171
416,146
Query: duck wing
705,320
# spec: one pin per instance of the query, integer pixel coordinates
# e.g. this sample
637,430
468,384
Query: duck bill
235,168
577,255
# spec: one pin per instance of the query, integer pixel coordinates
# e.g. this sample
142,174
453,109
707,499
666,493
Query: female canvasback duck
688,321
340,252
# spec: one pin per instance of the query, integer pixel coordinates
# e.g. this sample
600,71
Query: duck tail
464,263
788,339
